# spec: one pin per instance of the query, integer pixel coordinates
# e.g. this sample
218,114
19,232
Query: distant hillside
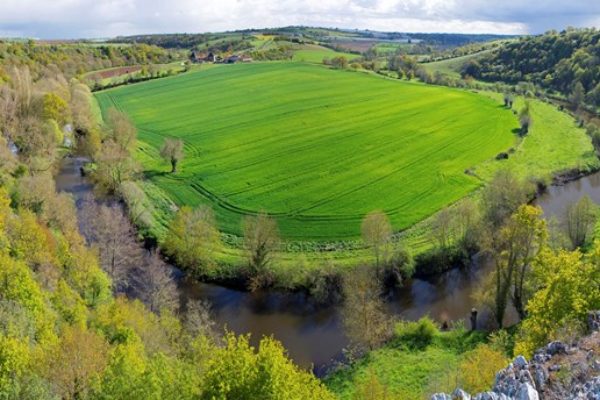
353,40
554,61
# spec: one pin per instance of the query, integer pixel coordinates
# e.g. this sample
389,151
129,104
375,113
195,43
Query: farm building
200,57
237,58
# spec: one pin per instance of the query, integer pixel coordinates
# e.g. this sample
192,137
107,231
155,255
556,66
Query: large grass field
314,147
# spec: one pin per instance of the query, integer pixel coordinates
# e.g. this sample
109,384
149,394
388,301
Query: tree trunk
173,165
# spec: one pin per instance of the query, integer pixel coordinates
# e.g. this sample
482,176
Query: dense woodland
75,59
567,62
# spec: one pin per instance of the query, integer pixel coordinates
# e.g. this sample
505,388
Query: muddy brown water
313,334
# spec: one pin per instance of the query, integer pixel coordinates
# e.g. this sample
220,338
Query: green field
452,66
314,147
316,54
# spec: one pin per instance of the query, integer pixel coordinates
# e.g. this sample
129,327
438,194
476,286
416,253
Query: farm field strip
315,147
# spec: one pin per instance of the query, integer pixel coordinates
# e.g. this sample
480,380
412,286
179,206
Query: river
313,334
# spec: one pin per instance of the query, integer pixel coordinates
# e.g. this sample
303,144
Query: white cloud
101,18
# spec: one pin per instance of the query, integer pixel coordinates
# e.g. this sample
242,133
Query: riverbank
312,332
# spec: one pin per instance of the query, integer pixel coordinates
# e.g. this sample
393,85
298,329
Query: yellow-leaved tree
238,371
569,287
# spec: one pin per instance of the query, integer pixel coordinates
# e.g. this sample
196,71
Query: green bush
416,335
503,341
459,339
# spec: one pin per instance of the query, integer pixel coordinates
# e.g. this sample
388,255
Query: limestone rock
527,392
460,394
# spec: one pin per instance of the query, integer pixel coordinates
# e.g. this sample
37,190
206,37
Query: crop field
452,66
314,147
119,74
315,54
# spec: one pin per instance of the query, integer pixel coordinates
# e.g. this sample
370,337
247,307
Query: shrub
503,342
459,339
416,335
478,368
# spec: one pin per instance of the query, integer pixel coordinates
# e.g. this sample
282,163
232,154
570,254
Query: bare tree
468,224
107,228
198,319
15,100
261,238
122,130
580,219
137,207
365,321
376,231
172,151
442,229
114,166
81,97
154,285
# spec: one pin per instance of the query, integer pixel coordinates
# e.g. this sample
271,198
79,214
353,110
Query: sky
65,19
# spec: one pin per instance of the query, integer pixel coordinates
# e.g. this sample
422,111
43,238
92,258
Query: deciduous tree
365,321
122,131
376,231
108,229
81,358
525,118
154,285
578,95
192,239
519,242
172,152
501,197
580,219
265,373
55,108
568,286
261,238
114,165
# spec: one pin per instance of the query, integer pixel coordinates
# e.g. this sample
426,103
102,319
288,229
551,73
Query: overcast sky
106,18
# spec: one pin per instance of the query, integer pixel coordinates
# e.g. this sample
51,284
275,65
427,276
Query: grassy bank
417,362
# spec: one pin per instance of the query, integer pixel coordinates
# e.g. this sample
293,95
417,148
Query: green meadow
314,147
452,66
319,148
